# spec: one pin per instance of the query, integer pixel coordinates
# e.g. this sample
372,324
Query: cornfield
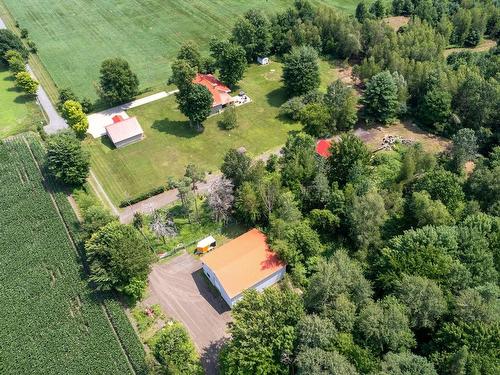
51,321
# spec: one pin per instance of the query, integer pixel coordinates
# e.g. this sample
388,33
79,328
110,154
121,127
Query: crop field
73,37
51,322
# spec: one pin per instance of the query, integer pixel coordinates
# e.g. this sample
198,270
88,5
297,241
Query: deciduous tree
301,71
66,159
230,59
196,104
172,347
26,83
117,83
263,333
118,257
383,326
73,113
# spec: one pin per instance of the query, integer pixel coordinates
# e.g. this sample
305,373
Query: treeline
396,255
441,94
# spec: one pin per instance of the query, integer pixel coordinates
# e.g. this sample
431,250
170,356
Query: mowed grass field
170,144
51,321
74,36
18,113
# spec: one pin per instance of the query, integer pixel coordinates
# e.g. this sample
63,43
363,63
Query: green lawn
18,113
170,144
74,37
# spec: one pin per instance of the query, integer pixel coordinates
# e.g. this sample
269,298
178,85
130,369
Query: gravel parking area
183,292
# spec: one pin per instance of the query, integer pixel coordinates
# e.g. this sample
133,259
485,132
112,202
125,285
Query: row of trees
396,254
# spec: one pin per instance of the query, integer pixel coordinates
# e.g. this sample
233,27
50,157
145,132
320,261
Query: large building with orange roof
219,91
245,263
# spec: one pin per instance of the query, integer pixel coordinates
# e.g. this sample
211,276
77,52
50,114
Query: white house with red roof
219,91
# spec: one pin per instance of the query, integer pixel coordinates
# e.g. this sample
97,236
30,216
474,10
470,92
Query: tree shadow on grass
23,99
277,97
9,78
177,128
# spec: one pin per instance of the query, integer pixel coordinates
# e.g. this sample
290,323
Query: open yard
18,112
51,321
73,38
170,143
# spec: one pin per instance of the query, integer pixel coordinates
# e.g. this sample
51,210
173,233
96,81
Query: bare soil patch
373,136
397,21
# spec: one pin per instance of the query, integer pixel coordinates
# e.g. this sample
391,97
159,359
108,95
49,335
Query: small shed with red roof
323,147
219,91
245,263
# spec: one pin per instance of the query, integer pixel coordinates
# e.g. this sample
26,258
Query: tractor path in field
55,121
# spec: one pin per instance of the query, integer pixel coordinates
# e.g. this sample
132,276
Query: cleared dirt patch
485,45
373,136
184,294
397,21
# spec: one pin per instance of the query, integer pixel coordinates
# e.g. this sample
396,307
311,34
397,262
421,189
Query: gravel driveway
182,291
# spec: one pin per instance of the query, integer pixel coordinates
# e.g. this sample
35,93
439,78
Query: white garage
244,263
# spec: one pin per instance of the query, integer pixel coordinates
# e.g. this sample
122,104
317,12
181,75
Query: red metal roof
243,262
219,91
117,118
323,147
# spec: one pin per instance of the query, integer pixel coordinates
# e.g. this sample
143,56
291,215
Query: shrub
24,33
16,61
26,83
229,119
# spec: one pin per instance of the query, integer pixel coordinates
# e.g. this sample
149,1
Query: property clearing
373,137
52,322
485,45
170,144
396,22
73,40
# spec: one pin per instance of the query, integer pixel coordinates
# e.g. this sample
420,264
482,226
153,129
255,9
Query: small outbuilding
245,263
205,245
323,147
263,60
124,132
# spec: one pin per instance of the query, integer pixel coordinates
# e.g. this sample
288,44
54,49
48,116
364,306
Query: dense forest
393,257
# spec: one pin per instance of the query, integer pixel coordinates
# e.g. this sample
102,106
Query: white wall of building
267,282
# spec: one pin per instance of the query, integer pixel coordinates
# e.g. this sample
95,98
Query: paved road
55,121
183,293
